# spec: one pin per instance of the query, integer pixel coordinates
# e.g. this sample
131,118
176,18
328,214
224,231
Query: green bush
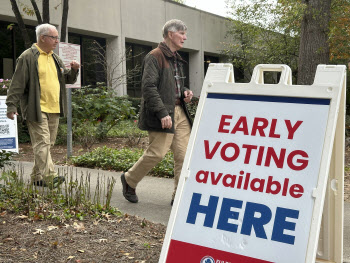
62,132
5,158
136,103
121,160
101,109
192,107
127,128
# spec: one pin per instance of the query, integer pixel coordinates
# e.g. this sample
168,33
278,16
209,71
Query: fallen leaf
81,251
39,232
22,216
126,254
106,215
8,239
3,213
79,227
70,257
49,228
102,240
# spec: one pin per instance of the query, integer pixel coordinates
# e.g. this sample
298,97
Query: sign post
254,180
69,52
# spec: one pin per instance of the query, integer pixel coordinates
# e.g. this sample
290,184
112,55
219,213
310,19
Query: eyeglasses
52,37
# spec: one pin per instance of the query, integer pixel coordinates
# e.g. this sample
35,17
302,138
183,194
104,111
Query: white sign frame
67,57
330,84
11,125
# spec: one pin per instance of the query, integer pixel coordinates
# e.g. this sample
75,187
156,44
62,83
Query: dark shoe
56,182
128,192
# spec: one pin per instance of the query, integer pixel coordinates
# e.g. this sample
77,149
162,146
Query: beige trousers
43,136
159,144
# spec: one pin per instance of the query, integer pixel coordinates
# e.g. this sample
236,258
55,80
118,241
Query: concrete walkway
155,196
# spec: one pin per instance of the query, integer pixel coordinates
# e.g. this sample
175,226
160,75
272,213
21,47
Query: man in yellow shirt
39,85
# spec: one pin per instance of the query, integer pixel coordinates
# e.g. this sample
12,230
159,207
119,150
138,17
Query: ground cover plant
121,160
73,223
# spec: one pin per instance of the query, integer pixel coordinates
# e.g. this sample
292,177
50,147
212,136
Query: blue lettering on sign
196,208
281,224
226,214
250,221
255,216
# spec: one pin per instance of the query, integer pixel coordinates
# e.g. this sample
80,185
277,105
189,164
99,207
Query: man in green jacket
163,111
38,85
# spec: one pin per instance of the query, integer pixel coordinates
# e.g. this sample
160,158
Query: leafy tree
339,32
45,18
289,25
262,32
314,45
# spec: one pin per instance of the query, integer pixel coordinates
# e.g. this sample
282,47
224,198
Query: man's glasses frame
52,37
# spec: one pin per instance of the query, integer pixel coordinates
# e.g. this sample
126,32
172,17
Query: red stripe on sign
189,253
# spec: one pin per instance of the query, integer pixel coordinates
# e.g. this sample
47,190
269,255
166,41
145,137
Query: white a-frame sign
264,163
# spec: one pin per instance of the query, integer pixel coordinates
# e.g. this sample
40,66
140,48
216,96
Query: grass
74,199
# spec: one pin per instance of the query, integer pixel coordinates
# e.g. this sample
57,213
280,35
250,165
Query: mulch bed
112,239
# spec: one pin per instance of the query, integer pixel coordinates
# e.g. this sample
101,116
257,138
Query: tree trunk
64,20
46,11
37,12
21,25
314,46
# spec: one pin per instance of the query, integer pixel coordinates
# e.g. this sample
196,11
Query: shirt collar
43,52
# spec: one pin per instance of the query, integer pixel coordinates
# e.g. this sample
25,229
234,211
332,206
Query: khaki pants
159,144
43,136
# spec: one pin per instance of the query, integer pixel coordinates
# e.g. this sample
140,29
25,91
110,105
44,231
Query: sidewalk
155,196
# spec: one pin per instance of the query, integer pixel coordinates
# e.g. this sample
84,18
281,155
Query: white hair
173,25
43,29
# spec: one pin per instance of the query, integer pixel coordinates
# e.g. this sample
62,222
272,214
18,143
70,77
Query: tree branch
37,12
46,11
21,25
64,20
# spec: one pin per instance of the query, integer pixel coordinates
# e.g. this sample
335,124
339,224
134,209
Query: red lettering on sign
272,186
224,123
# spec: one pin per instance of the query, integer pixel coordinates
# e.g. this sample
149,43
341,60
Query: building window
92,70
208,60
135,55
12,46
186,67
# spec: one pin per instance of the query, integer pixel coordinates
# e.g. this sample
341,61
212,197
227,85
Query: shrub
5,158
99,107
136,103
121,160
192,107
4,86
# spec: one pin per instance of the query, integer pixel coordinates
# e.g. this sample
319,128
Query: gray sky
212,6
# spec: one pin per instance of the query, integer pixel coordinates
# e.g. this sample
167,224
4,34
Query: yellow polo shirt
49,84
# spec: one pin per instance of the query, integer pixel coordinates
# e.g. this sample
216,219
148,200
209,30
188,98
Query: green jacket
158,89
25,86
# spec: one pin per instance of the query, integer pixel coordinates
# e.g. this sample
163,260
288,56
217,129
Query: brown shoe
128,192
